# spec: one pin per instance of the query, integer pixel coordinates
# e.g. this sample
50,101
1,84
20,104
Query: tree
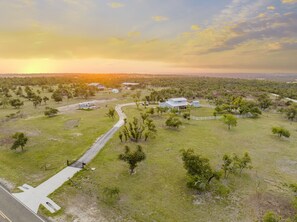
291,112
173,122
16,103
132,158
186,115
151,111
4,102
264,101
230,120
50,112
45,99
20,141
111,113
150,129
242,163
199,170
280,131
144,116
37,101
57,96
227,166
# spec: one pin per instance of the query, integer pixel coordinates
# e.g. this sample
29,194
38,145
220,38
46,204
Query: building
130,85
87,105
196,104
177,103
116,91
97,85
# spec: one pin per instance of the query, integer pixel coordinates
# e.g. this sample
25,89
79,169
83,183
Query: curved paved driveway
33,197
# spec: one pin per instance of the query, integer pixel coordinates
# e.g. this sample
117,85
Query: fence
220,117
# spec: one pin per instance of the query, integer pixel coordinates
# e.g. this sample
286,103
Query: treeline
109,80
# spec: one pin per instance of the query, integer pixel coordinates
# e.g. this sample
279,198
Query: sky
148,36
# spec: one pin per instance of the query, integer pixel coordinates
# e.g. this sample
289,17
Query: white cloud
115,5
159,18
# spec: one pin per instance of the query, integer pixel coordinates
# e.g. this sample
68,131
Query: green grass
158,192
202,111
52,141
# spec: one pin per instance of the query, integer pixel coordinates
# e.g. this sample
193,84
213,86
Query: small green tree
242,163
45,99
173,122
20,141
230,120
111,113
227,165
132,158
280,131
50,112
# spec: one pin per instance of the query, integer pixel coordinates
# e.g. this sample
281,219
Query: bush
271,217
280,131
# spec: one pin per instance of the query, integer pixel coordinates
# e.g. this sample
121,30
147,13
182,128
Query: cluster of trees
138,130
236,105
200,173
290,112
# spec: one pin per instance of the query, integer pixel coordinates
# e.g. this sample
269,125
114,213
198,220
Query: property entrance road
33,197
11,210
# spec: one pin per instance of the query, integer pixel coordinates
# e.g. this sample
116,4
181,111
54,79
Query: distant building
97,85
178,103
116,91
87,105
196,104
130,84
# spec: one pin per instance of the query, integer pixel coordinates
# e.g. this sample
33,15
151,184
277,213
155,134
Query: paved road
32,197
12,210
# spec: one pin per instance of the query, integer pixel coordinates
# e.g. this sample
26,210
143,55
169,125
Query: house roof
181,99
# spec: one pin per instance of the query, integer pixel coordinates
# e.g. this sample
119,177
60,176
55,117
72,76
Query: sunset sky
148,36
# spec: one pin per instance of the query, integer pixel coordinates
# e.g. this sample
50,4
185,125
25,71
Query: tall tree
230,120
20,141
132,158
199,170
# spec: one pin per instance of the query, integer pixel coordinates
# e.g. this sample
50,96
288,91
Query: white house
178,103
87,105
196,104
116,91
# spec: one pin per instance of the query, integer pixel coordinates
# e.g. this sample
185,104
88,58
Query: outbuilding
87,105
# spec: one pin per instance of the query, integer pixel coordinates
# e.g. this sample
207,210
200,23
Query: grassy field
158,192
52,141
202,111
